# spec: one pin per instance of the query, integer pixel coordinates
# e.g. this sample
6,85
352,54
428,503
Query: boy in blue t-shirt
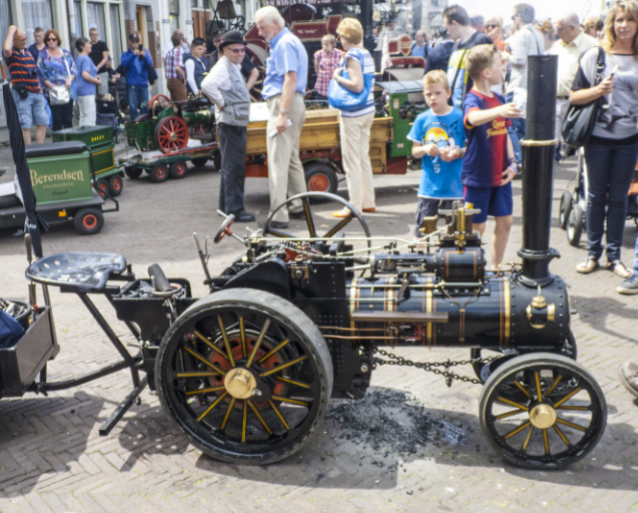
438,138
489,164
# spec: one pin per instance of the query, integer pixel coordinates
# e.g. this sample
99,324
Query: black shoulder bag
580,120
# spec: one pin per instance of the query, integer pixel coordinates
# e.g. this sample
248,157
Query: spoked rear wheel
549,428
245,375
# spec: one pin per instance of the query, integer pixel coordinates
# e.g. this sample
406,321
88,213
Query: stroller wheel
575,225
565,209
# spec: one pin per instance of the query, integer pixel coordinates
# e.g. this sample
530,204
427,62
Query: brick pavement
52,459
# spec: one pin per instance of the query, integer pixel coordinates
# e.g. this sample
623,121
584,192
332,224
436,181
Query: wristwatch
282,111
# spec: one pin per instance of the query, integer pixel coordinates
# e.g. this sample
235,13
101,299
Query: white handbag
60,95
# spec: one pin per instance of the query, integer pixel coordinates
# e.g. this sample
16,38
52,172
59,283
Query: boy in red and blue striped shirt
489,164
26,91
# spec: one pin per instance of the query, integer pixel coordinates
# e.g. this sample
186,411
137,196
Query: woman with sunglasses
494,29
612,150
57,68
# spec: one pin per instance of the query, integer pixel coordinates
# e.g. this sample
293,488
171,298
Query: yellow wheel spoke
186,375
545,441
227,416
527,438
291,401
567,397
211,345
571,425
274,351
261,419
509,414
523,389
512,403
551,389
577,408
226,343
206,390
285,365
562,436
243,337
296,383
204,360
243,428
539,392
210,408
258,343
517,430
281,417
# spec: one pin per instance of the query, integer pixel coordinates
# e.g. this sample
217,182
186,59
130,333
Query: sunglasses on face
514,17
491,26
238,50
52,39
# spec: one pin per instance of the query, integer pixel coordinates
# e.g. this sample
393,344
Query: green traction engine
169,125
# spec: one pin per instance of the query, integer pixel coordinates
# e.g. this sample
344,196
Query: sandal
619,269
588,266
344,212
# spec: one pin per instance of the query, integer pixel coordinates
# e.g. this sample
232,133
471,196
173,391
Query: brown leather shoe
628,375
588,266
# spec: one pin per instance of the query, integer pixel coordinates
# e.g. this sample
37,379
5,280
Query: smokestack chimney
538,169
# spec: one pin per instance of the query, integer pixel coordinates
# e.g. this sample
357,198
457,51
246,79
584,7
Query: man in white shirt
525,42
572,43
226,88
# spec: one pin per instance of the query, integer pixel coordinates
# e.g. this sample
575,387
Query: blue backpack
10,330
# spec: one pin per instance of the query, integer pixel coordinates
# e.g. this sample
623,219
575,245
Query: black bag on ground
580,119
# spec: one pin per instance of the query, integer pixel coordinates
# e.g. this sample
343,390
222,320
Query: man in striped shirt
26,91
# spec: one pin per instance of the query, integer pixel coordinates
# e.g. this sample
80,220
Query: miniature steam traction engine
246,372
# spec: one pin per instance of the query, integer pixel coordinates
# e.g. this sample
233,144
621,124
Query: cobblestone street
53,460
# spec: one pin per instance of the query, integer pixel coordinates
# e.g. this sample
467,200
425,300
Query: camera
140,47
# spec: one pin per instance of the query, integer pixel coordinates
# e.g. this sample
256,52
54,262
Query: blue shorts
492,201
32,110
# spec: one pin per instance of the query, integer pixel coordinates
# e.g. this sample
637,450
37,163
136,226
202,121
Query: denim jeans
609,172
636,256
232,144
137,100
516,132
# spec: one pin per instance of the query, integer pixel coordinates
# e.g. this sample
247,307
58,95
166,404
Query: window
116,38
173,9
195,4
36,13
76,23
95,18
5,18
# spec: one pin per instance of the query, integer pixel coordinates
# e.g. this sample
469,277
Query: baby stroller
108,114
573,203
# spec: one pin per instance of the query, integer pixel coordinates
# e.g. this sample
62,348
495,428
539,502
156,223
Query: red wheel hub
89,221
319,183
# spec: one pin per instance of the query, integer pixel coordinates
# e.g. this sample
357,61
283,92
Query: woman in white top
355,125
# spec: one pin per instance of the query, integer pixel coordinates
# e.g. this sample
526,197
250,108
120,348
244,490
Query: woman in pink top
326,61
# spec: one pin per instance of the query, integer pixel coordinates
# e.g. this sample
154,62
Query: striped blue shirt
363,57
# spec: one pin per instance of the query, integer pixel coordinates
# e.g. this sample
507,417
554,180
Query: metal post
538,169
366,21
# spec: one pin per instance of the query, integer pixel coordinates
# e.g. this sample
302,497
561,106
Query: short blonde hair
629,8
436,76
330,39
479,58
351,30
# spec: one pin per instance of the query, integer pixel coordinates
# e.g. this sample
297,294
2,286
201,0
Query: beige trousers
285,173
355,152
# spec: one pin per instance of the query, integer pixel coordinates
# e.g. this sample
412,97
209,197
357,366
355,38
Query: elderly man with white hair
284,87
572,44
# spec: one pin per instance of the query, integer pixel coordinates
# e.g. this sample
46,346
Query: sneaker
371,209
344,212
297,215
278,225
244,217
629,286
618,268
628,375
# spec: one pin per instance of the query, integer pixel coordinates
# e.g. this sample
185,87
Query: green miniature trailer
62,177
99,140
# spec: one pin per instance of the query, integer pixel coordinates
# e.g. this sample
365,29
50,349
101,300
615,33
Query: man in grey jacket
226,88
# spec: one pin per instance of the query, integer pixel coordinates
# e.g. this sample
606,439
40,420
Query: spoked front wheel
245,375
548,428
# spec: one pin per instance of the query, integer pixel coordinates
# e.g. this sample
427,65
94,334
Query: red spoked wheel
171,134
158,103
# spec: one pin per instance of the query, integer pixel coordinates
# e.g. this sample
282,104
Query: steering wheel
305,198
224,229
